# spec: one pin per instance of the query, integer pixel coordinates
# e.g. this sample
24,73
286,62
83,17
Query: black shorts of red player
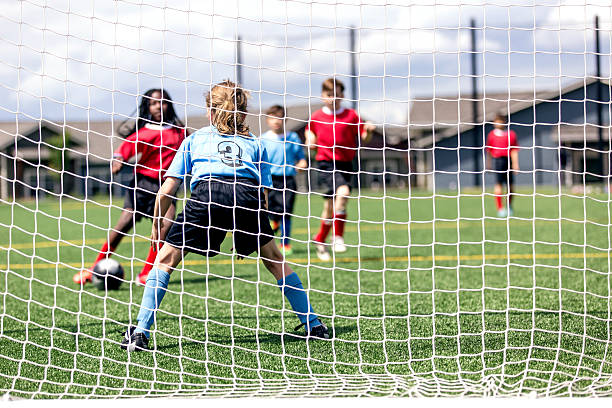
503,170
333,174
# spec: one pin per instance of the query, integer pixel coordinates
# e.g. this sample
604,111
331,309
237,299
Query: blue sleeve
264,167
297,147
181,164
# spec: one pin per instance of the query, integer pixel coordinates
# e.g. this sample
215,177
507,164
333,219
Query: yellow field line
416,258
296,231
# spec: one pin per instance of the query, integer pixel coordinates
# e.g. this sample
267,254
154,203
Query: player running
333,132
228,167
156,136
502,147
286,155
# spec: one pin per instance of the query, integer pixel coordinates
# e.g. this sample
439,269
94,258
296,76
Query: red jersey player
156,136
502,147
334,132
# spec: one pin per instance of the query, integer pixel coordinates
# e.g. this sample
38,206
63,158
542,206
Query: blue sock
155,289
286,229
294,292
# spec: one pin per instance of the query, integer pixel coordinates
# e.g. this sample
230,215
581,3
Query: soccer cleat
322,253
321,331
510,212
275,226
338,244
502,213
82,277
286,249
134,341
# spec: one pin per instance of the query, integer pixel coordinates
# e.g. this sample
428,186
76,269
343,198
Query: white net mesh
439,291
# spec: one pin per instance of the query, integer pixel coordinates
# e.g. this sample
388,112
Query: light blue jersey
284,151
207,154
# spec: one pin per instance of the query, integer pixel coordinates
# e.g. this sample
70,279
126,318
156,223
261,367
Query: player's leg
498,191
326,226
288,205
275,208
168,257
501,171
115,235
291,286
510,184
340,203
153,249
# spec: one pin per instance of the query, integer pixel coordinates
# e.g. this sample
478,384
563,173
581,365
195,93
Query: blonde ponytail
228,105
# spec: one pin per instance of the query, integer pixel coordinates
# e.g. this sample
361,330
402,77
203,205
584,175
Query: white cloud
128,46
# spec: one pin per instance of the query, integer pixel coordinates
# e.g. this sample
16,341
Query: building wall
454,164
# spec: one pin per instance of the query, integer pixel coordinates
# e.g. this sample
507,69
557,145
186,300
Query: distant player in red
502,147
155,137
334,132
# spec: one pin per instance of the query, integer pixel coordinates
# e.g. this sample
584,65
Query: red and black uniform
337,142
156,146
500,143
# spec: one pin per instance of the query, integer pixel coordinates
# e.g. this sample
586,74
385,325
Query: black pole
475,129
600,144
239,60
354,95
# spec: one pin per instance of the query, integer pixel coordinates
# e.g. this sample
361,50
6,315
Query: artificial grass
434,296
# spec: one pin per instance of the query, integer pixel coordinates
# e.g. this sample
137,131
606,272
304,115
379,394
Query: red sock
339,220
104,252
323,231
149,261
498,201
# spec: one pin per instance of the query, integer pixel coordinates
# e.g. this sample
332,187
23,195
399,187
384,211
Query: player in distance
156,136
335,133
229,167
502,148
286,155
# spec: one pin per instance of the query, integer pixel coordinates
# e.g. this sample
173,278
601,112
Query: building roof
448,116
581,133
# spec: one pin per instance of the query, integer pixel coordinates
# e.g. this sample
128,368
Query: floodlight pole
600,144
354,95
476,154
239,61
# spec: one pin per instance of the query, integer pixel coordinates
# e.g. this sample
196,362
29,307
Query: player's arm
301,164
163,201
367,131
514,151
311,139
266,191
514,158
126,151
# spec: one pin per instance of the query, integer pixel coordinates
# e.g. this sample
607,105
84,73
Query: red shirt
501,142
157,146
336,137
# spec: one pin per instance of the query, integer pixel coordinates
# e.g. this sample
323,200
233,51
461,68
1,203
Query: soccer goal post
440,183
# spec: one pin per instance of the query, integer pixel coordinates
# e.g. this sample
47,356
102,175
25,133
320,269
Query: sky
91,59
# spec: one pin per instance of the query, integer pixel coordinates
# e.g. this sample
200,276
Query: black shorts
503,171
333,175
140,196
217,207
281,197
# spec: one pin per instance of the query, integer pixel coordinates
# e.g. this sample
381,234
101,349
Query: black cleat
134,341
321,331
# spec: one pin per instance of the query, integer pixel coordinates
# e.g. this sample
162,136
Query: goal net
447,285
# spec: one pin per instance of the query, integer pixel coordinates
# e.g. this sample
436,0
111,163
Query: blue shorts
217,207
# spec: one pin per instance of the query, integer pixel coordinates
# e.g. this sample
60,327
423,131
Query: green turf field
464,304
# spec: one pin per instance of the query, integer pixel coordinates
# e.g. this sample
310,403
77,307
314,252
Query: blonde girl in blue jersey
228,167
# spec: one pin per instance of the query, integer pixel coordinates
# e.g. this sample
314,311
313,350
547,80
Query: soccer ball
107,274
